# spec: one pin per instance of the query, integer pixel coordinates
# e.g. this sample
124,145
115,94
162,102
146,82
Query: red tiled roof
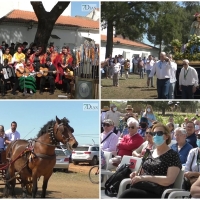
126,42
22,16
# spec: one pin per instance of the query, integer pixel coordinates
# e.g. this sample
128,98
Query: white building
20,26
94,15
127,48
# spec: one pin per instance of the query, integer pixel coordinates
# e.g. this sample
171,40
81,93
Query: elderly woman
149,115
131,141
148,144
181,147
192,168
159,170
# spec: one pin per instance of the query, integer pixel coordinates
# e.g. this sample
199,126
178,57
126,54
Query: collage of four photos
100,99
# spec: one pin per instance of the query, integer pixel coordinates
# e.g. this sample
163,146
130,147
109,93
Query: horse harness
32,155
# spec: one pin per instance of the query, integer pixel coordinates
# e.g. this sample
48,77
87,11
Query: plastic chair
177,185
129,160
105,170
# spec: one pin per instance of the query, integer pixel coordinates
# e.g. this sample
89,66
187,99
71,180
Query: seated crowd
28,68
172,147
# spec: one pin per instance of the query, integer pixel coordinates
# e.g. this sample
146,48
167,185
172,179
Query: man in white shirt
188,80
116,70
162,70
114,115
11,134
148,67
172,77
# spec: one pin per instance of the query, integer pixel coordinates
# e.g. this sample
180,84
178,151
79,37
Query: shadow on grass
133,87
107,86
148,89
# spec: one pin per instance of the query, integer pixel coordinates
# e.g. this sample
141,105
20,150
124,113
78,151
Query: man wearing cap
191,136
103,115
188,80
182,147
108,138
114,115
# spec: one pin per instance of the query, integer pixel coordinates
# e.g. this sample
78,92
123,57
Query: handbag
149,187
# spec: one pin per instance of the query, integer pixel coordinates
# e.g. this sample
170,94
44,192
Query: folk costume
50,78
18,57
63,61
7,56
28,81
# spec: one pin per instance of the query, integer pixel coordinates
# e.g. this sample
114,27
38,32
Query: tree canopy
46,20
160,21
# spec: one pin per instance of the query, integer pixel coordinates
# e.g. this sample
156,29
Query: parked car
86,153
62,159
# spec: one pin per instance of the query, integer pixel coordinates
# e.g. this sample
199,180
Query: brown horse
37,157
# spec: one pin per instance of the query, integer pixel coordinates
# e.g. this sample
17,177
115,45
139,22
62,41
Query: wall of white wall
127,52
72,37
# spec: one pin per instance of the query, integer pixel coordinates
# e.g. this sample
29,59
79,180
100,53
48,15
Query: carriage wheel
29,186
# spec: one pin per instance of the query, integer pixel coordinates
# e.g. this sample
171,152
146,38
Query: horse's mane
50,124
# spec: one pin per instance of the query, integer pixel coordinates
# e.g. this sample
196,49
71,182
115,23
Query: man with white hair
130,141
182,147
162,70
188,80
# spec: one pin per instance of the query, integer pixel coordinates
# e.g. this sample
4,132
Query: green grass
131,88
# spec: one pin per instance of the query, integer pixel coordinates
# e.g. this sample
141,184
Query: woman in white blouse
192,166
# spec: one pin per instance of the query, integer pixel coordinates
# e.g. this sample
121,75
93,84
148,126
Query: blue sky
31,115
77,7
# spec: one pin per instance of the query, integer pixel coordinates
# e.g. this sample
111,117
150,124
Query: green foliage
191,51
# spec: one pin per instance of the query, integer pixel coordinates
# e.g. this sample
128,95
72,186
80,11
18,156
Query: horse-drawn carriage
25,161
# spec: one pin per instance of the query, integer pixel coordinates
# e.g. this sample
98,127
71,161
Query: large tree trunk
163,111
46,21
109,42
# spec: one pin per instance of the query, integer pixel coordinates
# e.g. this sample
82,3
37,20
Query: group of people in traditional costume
29,67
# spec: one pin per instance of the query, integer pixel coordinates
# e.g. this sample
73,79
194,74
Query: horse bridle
52,135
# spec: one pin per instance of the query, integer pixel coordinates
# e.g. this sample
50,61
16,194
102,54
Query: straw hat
129,107
105,108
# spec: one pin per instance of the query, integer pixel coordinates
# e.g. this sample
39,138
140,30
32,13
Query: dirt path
74,184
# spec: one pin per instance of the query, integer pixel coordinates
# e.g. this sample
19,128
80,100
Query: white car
62,159
86,153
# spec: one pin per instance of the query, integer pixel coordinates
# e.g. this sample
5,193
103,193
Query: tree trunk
109,42
46,21
163,111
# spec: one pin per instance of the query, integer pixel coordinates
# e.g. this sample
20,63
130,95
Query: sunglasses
105,124
150,133
132,127
158,133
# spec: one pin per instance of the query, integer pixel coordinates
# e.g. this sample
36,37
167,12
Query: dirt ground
37,95
74,184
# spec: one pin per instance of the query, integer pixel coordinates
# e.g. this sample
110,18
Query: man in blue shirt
182,147
191,137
